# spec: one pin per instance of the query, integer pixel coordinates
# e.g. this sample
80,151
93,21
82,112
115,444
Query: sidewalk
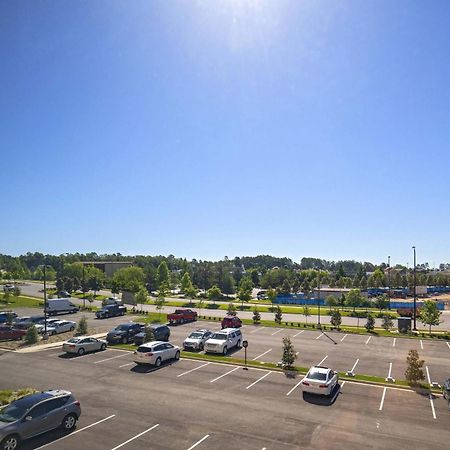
37,348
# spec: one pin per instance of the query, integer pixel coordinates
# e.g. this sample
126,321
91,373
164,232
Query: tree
214,294
306,312
32,335
414,372
429,314
245,290
16,293
82,327
160,300
387,322
186,282
289,355
285,288
128,279
331,301
271,295
227,284
231,310
149,334
296,285
256,316
353,299
336,319
191,293
370,324
200,304
94,279
278,315
141,296
306,288
381,302
162,274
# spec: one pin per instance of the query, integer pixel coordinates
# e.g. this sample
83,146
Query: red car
231,322
11,333
182,315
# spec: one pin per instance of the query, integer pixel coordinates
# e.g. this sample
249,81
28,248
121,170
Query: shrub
414,372
289,355
82,326
278,315
256,316
32,335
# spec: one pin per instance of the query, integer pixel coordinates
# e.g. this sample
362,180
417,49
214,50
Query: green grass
7,396
94,297
21,302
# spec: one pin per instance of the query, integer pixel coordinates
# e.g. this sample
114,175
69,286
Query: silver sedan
83,344
62,326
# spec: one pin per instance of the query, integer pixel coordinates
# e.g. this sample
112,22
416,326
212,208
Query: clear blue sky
213,128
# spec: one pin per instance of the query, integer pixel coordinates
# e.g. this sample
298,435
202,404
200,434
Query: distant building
325,292
108,267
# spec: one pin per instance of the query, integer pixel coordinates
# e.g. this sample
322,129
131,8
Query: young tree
214,294
245,290
331,301
231,310
429,314
414,372
370,324
289,354
278,315
256,316
32,335
271,295
162,274
141,296
353,299
149,334
387,322
160,300
82,327
336,319
381,302
186,282
306,312
191,293
200,304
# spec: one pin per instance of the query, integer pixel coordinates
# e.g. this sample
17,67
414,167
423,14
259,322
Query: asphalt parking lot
205,405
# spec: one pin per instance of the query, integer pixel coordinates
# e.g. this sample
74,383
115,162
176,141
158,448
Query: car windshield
122,327
144,349
17,409
196,335
316,375
220,336
74,340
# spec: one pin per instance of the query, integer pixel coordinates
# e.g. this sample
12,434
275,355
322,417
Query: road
214,406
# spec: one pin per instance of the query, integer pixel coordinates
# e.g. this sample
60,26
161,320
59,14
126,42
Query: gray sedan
61,326
83,344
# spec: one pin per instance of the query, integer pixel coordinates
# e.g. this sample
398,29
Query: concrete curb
38,348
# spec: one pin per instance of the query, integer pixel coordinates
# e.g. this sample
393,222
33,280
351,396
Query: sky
219,128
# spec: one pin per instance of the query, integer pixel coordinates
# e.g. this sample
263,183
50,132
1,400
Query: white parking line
77,431
112,357
432,406
322,360
198,442
354,365
421,344
342,385
135,437
295,387
127,364
192,370
368,340
393,343
318,337
345,335
262,354
382,399
225,374
258,380
448,345
255,331
281,329
390,370
428,375
296,334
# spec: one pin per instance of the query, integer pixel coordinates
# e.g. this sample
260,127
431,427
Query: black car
160,333
23,323
446,390
124,333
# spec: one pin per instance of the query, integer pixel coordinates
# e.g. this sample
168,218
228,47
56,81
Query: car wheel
177,355
10,442
81,351
158,362
69,422
238,345
181,321
103,347
224,352
72,328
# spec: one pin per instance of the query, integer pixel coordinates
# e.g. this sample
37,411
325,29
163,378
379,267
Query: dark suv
35,414
160,333
124,333
446,390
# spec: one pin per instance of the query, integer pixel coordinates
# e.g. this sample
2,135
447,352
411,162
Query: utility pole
415,294
389,277
45,302
318,302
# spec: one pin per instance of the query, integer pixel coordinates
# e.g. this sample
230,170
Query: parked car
36,414
261,295
320,380
23,323
111,311
8,288
160,333
9,333
112,301
224,340
5,315
181,316
123,333
61,305
155,353
446,390
231,322
64,294
62,326
83,344
196,340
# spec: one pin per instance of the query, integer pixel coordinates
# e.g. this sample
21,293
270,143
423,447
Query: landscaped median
358,378
8,396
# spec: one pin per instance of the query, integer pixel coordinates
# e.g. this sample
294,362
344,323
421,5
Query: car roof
229,330
152,344
320,369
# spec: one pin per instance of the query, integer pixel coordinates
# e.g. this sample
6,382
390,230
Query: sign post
245,345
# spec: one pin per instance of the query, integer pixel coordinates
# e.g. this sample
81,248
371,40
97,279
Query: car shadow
322,400
45,439
149,368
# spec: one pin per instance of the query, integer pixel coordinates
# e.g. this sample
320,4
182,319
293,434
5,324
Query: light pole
415,296
318,302
45,302
389,277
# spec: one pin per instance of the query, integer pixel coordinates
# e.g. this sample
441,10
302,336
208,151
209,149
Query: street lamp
45,336
389,277
318,302
415,295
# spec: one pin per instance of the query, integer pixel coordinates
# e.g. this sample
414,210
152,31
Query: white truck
61,306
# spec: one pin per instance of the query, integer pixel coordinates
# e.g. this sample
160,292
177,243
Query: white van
61,305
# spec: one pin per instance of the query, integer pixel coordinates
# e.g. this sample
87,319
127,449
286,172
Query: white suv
224,340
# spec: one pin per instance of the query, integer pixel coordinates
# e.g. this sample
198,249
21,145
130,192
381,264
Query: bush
278,316
289,355
414,372
32,335
82,326
256,316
